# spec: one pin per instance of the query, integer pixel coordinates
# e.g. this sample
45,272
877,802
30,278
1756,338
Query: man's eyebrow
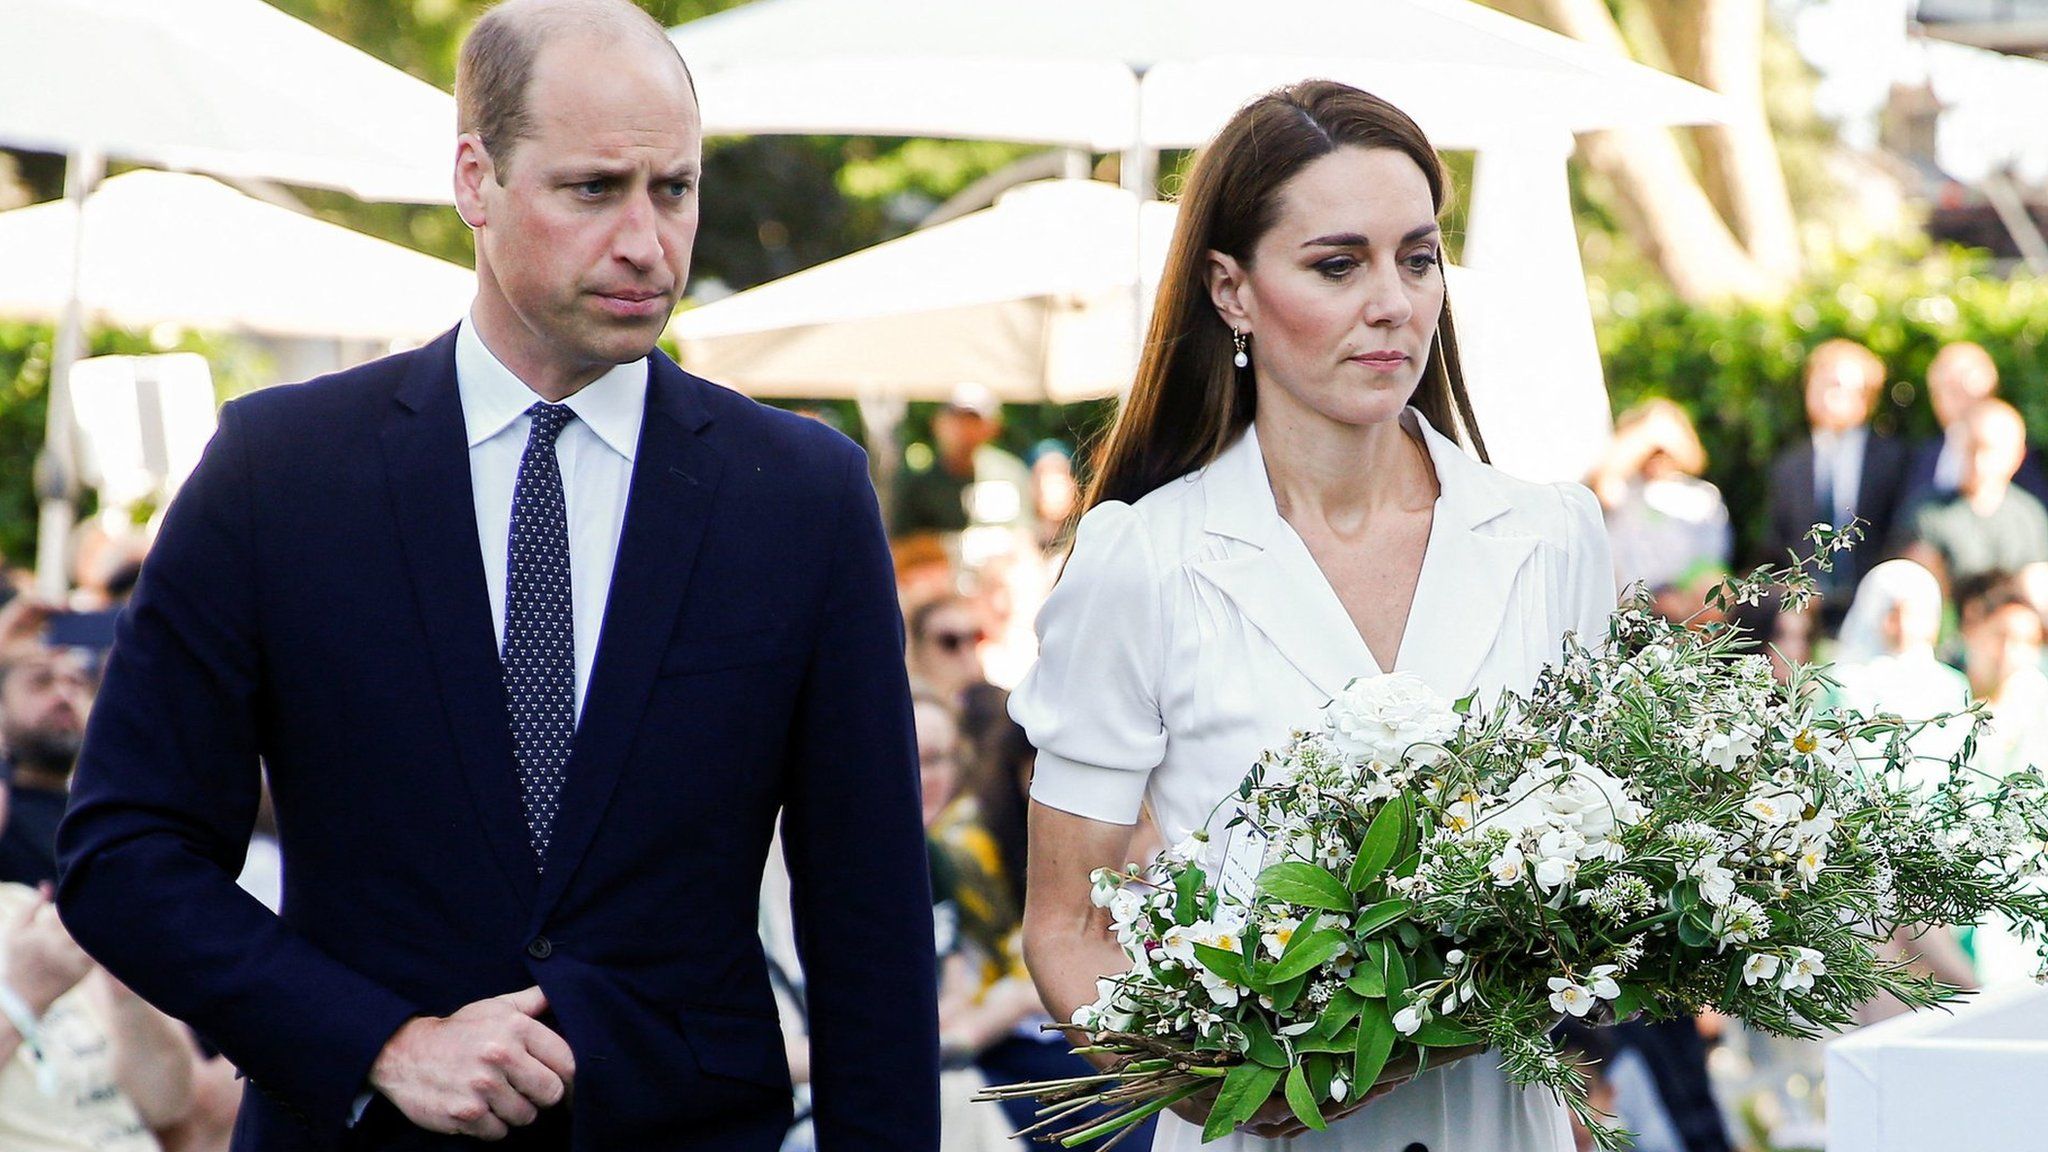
1358,240
608,170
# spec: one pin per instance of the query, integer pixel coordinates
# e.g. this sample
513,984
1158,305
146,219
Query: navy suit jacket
1920,487
316,601
1880,499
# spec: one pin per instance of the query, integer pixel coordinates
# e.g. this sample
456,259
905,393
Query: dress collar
1241,502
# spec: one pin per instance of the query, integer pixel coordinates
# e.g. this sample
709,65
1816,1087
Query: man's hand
43,962
489,1068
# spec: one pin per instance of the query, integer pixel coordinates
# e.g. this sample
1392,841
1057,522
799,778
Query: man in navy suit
1960,375
535,635
1843,471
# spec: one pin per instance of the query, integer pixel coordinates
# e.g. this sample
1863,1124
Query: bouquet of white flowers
1659,826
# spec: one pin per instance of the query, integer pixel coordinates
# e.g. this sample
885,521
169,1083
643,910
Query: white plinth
1977,1079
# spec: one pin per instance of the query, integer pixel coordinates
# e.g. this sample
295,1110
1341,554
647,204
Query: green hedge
24,404
1736,367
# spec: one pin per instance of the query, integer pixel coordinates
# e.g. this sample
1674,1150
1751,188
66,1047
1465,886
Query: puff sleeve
1091,703
1589,592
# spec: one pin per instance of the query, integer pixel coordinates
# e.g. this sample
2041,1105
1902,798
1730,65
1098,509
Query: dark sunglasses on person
953,642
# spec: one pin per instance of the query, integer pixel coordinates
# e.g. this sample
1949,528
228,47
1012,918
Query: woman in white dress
1263,527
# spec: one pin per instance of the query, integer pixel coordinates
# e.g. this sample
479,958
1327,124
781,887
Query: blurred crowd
1940,606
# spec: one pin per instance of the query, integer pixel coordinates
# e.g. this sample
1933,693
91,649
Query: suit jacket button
540,948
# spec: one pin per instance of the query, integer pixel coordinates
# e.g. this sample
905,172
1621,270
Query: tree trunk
1740,158
1677,224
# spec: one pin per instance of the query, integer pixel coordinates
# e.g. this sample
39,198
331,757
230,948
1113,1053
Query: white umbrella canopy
233,87
167,247
1116,74
1034,297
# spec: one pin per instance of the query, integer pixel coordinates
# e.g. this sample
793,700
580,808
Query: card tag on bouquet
1239,855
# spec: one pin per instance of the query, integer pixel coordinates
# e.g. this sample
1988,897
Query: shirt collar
493,397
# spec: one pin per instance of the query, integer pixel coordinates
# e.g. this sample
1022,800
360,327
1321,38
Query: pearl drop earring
1238,340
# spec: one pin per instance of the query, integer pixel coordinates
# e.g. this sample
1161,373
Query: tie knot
549,420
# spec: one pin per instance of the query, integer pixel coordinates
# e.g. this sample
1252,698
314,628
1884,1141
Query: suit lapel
426,463
668,507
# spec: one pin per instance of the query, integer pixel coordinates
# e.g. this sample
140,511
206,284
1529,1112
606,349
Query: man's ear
473,170
1228,289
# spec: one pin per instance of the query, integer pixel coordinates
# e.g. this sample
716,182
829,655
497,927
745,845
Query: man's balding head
577,173
1960,375
497,63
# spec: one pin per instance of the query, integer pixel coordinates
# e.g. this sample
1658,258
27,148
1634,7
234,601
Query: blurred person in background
1987,524
45,696
2002,643
944,638
1842,471
970,480
983,830
1621,1082
2033,583
964,1124
85,1064
1662,519
1010,585
1682,599
925,569
1054,493
1782,633
1885,662
1960,375
2003,637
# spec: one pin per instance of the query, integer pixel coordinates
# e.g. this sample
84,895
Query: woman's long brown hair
1190,401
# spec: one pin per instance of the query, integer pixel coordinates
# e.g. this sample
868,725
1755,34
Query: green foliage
1736,367
24,407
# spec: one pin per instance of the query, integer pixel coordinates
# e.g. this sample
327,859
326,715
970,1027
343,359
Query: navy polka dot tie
540,628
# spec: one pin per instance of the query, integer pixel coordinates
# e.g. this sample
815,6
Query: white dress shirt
1193,629
1838,468
595,452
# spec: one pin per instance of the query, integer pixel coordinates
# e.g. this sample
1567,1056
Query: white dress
1193,629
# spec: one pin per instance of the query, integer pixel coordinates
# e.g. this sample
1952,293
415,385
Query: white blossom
1508,867
1800,969
1761,967
1566,996
1600,981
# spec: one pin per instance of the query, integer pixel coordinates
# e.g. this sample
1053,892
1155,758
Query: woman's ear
1228,289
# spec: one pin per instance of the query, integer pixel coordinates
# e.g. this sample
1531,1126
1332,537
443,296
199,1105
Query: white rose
1593,801
1380,717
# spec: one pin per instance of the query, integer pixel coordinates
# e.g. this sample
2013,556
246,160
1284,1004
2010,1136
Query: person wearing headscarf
1885,662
